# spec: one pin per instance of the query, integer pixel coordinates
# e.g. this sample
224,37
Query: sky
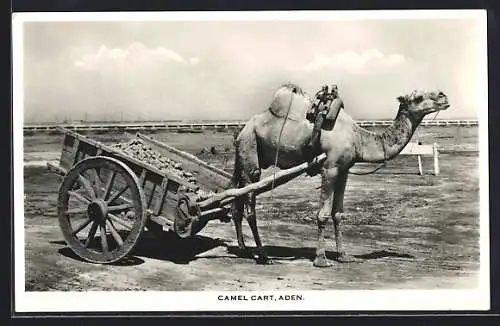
167,70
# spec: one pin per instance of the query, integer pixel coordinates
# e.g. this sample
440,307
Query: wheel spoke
114,233
116,195
119,208
120,221
97,182
109,185
81,226
78,210
91,234
78,196
86,184
104,240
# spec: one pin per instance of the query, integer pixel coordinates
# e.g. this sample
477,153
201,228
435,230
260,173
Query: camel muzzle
442,101
443,106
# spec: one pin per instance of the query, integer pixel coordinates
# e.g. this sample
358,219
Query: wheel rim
101,209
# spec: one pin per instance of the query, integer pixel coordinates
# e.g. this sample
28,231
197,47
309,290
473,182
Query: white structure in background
423,150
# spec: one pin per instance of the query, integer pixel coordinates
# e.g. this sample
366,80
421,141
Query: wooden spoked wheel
101,209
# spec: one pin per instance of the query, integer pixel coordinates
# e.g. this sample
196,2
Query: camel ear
402,99
419,98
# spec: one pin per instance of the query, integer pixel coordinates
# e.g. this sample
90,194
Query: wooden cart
107,190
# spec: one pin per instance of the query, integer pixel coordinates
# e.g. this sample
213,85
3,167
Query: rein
378,167
384,163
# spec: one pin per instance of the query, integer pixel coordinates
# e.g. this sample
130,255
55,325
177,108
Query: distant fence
222,125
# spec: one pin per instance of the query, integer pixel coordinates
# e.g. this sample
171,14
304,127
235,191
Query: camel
345,144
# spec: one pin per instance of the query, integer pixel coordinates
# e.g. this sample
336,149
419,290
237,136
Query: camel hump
289,104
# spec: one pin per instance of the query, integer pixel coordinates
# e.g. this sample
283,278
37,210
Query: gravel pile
143,152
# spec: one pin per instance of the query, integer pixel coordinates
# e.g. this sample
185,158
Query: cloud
135,55
194,61
353,62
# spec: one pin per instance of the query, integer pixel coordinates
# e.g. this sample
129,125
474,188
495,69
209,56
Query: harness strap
277,155
286,117
378,167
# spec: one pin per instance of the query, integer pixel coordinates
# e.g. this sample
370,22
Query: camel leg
262,257
337,214
238,211
328,179
246,171
238,207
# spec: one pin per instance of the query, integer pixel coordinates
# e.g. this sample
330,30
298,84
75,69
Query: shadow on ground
168,247
308,253
126,261
179,251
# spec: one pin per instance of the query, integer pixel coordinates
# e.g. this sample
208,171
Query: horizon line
79,121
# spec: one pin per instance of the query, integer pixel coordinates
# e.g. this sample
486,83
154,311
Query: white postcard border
477,299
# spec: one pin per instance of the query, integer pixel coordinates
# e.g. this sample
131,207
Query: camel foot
346,259
264,260
321,261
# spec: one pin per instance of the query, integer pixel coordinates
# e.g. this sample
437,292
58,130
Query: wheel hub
187,218
97,211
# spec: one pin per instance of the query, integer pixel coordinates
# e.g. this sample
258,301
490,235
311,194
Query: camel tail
246,157
235,180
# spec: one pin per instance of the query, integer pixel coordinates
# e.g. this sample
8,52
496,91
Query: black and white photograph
251,161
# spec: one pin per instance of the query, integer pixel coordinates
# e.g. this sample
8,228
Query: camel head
419,103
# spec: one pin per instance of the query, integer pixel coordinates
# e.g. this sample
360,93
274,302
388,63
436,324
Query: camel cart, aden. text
111,193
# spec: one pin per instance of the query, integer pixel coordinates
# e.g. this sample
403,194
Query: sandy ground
406,230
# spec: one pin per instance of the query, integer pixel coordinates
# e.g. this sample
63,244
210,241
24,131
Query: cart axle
98,210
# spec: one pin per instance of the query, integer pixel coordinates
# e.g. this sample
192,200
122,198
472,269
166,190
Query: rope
378,167
416,132
279,139
277,155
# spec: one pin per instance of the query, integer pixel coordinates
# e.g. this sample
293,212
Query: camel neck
382,146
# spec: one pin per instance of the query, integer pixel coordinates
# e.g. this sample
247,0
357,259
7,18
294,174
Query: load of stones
138,149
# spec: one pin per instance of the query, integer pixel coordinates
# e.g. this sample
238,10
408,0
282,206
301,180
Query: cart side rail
77,146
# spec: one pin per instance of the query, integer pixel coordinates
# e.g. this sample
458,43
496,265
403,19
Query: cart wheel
187,220
101,194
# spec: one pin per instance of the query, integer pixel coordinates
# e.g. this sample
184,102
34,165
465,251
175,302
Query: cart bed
162,189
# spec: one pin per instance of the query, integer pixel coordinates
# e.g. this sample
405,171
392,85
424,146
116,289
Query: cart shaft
266,184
